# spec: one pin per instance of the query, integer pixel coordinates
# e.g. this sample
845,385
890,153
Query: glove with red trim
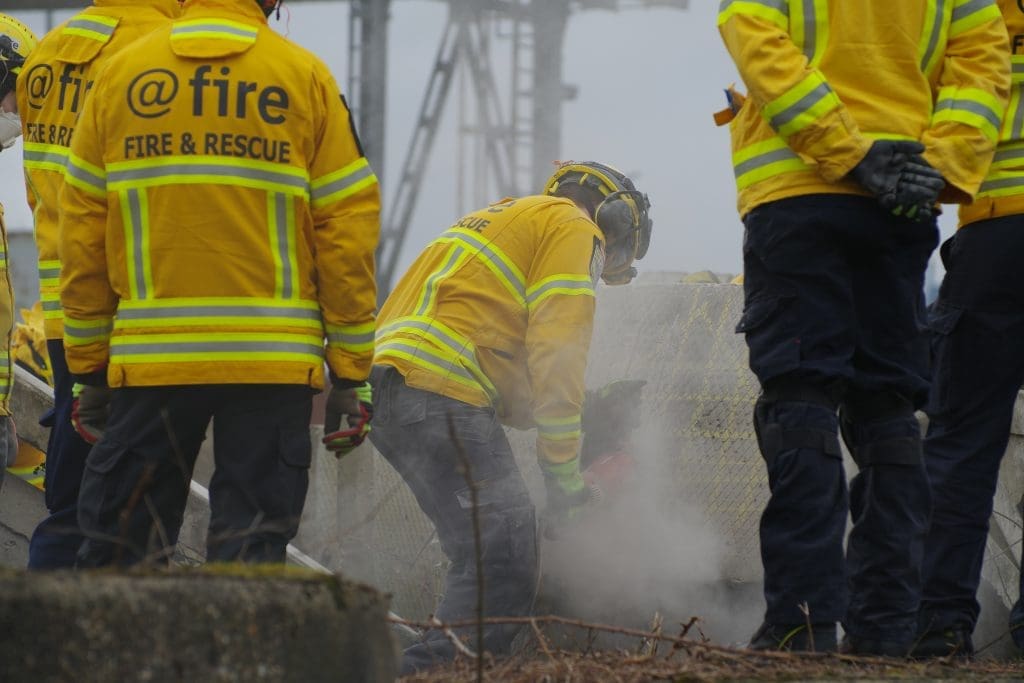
90,409
356,404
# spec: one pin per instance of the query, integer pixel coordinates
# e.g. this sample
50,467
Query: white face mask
10,128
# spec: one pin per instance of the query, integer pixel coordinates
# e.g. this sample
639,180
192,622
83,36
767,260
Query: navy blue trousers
137,477
57,538
833,301
420,434
977,327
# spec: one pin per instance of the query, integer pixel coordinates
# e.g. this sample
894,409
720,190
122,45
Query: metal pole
550,18
373,72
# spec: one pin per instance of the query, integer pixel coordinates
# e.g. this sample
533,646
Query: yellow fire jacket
6,323
52,88
498,311
827,77
1002,192
218,216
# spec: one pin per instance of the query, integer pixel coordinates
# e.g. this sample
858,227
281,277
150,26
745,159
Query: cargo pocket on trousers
296,451
103,493
942,322
773,350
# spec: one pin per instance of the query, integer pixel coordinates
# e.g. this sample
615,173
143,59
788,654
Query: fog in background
648,82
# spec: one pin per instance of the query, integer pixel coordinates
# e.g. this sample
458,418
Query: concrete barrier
226,623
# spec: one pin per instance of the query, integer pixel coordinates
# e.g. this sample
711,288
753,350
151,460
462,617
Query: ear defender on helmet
16,42
622,215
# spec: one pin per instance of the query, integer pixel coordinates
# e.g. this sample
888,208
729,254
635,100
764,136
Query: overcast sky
648,83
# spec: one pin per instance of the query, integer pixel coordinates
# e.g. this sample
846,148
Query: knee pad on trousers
774,437
870,423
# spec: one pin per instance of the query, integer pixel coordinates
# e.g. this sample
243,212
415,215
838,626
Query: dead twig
541,640
805,610
450,635
124,517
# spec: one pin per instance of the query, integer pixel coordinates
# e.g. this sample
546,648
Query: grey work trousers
421,435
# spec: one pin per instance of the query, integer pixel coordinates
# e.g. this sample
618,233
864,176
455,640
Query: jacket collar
168,8
247,9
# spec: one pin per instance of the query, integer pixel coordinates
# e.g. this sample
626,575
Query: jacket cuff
344,383
97,378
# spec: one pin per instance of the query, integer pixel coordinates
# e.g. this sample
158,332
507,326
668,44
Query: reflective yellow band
342,183
92,26
1017,67
86,177
1002,184
50,302
49,270
773,11
456,348
219,311
454,259
216,346
765,160
934,35
559,428
135,220
353,338
1008,156
971,107
969,14
566,284
281,224
214,28
503,267
202,168
1013,121
435,361
809,28
82,332
802,106
45,157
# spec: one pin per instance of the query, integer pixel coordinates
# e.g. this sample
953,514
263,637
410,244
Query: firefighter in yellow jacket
58,76
859,117
976,325
491,326
16,43
218,222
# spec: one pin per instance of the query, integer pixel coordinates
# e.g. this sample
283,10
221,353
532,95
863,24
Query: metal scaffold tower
509,128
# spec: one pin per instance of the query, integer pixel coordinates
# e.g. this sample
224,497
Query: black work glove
90,409
903,182
356,404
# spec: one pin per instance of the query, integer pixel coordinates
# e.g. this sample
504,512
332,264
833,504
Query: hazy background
648,83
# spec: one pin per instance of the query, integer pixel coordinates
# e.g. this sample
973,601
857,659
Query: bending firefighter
215,307
72,53
16,43
860,117
490,327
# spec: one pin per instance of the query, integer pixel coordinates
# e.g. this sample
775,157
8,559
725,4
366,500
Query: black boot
949,642
874,648
794,637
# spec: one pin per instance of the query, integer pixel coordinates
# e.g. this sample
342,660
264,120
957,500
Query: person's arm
560,301
346,224
793,97
88,300
974,85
